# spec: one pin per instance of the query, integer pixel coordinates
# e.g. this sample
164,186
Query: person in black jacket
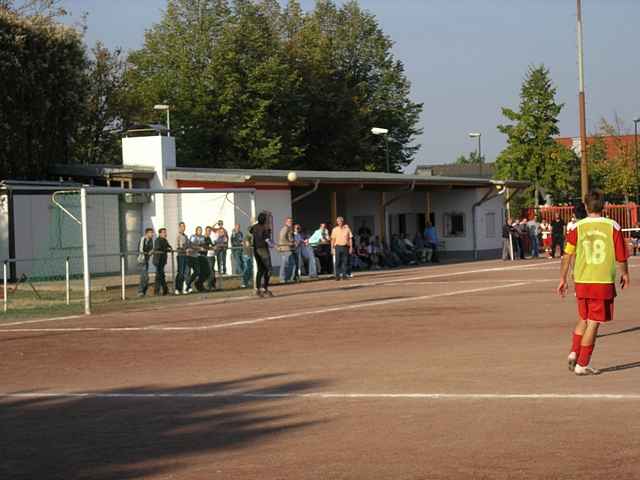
161,251
144,256
261,235
507,240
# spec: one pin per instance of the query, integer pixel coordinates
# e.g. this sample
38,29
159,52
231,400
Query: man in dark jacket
161,251
144,256
557,235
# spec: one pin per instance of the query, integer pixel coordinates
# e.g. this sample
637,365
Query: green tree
253,84
42,66
472,159
106,111
532,153
612,163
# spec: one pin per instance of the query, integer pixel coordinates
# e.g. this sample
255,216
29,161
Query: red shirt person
598,245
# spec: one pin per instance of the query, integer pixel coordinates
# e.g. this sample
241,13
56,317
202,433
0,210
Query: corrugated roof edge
184,173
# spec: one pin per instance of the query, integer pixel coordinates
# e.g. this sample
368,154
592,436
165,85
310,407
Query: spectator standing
199,259
431,241
320,242
523,231
161,251
260,235
222,243
306,254
183,247
341,247
534,237
247,261
145,248
557,235
545,232
298,240
635,239
287,247
237,242
210,238
507,241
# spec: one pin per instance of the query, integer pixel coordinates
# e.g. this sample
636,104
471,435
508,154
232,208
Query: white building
468,212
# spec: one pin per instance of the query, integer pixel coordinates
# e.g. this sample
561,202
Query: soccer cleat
588,370
177,292
268,293
259,294
572,360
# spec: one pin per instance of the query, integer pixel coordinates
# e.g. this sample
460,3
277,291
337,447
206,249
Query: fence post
122,277
4,283
67,283
85,251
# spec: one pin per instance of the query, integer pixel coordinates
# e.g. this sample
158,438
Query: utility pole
584,166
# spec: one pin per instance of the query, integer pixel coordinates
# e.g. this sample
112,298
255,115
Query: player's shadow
620,332
115,435
617,368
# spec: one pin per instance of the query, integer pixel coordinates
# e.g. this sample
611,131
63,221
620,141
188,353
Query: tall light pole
635,138
166,108
385,133
584,166
479,137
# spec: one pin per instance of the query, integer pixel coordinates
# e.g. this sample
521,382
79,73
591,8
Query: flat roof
102,170
309,177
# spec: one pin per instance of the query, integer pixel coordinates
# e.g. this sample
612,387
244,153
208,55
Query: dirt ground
448,372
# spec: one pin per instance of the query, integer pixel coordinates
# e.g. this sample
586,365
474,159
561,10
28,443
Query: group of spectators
327,250
534,238
338,250
197,257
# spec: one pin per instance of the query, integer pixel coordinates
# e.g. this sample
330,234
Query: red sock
585,355
575,344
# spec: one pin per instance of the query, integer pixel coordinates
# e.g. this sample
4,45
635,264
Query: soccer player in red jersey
597,244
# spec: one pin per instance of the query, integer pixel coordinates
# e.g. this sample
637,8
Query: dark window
454,225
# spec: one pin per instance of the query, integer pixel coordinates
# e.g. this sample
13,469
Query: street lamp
166,108
479,137
385,133
635,137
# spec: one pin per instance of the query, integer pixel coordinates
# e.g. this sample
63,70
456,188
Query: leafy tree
106,111
612,169
532,153
253,84
42,65
472,159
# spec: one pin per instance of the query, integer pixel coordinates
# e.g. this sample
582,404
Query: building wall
45,236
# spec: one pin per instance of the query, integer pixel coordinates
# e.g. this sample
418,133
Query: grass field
455,371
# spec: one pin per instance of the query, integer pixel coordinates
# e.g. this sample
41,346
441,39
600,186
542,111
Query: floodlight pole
584,166
85,251
635,141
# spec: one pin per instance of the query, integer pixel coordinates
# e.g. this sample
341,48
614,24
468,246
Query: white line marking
329,395
40,320
320,311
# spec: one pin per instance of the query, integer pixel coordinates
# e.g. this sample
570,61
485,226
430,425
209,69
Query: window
490,224
453,224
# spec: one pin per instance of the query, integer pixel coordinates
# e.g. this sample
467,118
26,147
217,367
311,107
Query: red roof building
616,145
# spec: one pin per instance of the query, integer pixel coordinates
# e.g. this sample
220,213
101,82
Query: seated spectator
400,249
364,257
420,247
375,253
390,258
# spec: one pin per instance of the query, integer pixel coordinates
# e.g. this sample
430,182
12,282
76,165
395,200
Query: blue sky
467,58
